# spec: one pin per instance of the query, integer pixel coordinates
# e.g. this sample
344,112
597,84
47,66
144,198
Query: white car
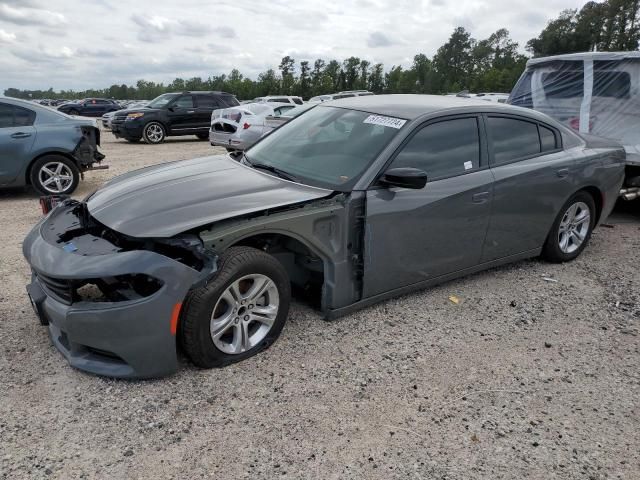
279,99
237,128
339,95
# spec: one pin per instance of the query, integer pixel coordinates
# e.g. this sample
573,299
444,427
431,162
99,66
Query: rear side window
443,149
206,101
6,115
297,100
279,100
547,139
611,84
228,101
563,84
12,116
513,139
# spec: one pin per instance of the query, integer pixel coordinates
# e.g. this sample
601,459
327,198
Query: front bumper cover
126,339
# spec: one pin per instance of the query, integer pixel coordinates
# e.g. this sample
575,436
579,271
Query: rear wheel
153,133
239,313
571,230
73,111
54,175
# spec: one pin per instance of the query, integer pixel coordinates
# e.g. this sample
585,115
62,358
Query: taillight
246,125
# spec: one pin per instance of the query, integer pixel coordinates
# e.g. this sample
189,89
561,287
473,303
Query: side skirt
339,312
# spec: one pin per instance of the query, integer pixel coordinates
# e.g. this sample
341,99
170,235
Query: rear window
229,100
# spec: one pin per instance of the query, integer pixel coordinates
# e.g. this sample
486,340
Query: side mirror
405,177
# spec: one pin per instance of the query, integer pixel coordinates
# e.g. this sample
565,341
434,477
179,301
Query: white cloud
72,44
7,37
30,16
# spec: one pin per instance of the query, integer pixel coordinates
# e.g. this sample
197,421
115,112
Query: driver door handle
191,111
480,197
563,172
20,135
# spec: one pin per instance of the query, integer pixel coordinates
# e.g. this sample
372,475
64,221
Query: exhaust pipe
630,193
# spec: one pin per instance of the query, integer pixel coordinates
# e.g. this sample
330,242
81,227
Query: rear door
533,178
417,235
205,105
17,135
182,115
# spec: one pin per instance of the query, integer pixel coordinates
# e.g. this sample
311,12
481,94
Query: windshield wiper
269,168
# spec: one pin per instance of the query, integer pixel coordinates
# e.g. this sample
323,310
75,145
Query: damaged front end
111,302
87,152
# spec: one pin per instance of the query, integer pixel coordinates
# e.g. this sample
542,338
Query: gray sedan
45,148
353,202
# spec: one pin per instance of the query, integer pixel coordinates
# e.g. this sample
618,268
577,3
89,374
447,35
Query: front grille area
118,119
61,289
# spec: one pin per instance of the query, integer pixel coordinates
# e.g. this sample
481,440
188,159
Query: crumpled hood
164,200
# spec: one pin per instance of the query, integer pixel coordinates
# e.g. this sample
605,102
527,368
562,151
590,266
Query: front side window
162,100
512,139
326,147
186,101
443,149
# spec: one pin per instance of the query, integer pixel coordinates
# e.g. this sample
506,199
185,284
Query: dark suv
89,107
171,114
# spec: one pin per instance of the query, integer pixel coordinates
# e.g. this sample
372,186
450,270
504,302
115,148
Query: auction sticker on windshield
385,121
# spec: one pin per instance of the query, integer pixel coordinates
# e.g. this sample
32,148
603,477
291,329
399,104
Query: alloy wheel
154,133
574,227
55,177
244,314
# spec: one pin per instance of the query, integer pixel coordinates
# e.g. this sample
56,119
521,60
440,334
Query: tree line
462,63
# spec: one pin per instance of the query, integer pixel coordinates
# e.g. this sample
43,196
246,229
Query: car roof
414,106
606,56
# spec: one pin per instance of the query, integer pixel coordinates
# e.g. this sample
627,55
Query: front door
182,115
17,135
417,235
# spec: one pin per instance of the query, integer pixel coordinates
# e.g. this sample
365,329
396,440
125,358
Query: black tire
551,250
154,133
196,317
133,140
202,136
38,175
73,111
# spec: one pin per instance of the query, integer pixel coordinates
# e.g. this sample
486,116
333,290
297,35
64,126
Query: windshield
326,147
294,112
162,100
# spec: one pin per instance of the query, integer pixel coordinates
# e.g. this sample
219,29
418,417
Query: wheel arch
306,265
598,199
40,155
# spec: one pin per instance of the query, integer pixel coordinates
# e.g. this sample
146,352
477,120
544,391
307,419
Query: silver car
353,202
237,128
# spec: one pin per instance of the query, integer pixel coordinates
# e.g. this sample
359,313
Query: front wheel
239,313
571,230
54,175
153,133
202,136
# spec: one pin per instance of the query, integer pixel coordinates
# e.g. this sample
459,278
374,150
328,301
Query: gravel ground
524,378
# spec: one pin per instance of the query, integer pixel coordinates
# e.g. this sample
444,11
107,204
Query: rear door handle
480,197
191,111
563,172
20,135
